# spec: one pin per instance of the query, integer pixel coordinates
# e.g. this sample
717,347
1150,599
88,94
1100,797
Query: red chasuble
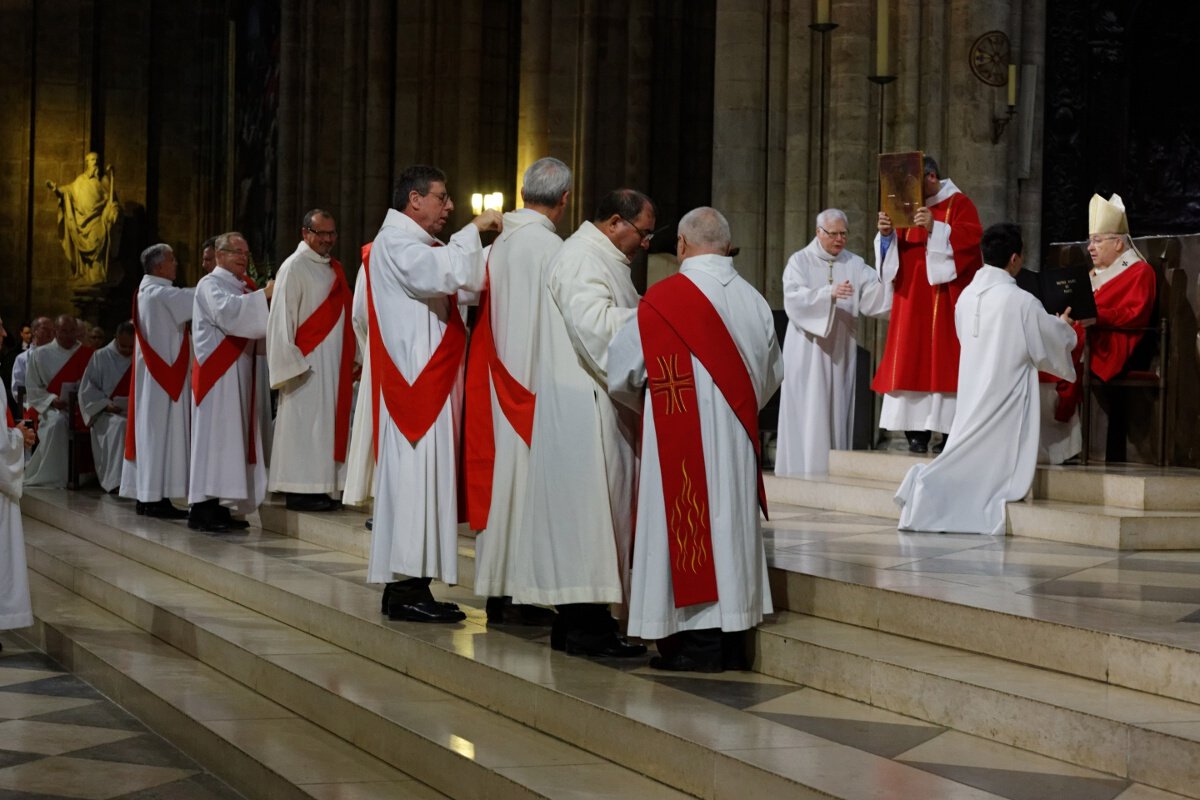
921,354
676,321
1126,301
70,372
313,331
484,371
413,407
169,376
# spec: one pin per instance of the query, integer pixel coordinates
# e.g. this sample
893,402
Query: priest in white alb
228,320
158,434
577,524
16,611
1005,337
500,374
417,341
360,458
54,373
310,355
825,289
104,401
703,347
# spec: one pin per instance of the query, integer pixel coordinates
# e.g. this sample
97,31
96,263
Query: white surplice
731,469
578,518
360,456
1006,337
48,466
100,379
15,608
820,352
518,264
162,426
413,286
302,450
220,465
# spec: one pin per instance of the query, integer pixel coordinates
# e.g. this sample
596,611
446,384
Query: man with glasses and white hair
310,356
577,524
415,288
929,263
1125,287
228,471
500,385
825,289
158,432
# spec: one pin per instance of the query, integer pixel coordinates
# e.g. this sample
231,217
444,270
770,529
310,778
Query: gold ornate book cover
900,177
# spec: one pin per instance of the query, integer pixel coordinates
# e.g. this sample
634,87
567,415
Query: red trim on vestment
314,330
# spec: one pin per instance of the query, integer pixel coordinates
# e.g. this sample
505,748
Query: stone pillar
533,140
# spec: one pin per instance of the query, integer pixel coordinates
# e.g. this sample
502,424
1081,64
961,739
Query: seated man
1125,288
1005,337
104,401
704,342
54,373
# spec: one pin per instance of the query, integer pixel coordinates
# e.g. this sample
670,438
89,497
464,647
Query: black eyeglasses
443,197
646,235
834,234
315,232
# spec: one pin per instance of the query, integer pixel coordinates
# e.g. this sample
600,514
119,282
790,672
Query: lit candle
1012,84
881,38
477,203
822,13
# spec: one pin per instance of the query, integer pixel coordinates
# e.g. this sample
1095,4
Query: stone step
698,746
257,746
1121,650
1131,486
452,745
1145,738
1096,526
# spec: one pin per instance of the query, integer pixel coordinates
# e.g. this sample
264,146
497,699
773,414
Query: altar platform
896,665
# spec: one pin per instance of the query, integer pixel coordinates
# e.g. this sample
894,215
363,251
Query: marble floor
1149,595
60,738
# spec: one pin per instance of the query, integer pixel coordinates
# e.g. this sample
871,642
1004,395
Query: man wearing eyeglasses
416,287
228,470
1125,287
310,359
929,264
825,288
578,518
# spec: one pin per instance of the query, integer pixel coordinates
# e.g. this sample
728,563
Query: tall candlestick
1012,84
822,13
881,38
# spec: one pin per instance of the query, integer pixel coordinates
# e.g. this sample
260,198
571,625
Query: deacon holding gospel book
929,265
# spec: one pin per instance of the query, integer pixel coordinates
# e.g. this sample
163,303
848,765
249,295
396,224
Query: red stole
122,389
313,331
70,372
205,376
169,376
485,370
413,407
677,321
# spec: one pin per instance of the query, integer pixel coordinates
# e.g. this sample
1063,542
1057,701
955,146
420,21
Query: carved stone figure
88,221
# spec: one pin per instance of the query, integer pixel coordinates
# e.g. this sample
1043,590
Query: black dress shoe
311,502
163,509
370,523
231,522
425,611
208,525
140,508
940,446
916,446
502,611
602,645
682,662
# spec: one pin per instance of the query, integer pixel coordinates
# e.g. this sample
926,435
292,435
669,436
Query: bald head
43,330
703,231
66,331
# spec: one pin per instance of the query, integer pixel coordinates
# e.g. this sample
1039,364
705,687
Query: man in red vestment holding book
929,264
